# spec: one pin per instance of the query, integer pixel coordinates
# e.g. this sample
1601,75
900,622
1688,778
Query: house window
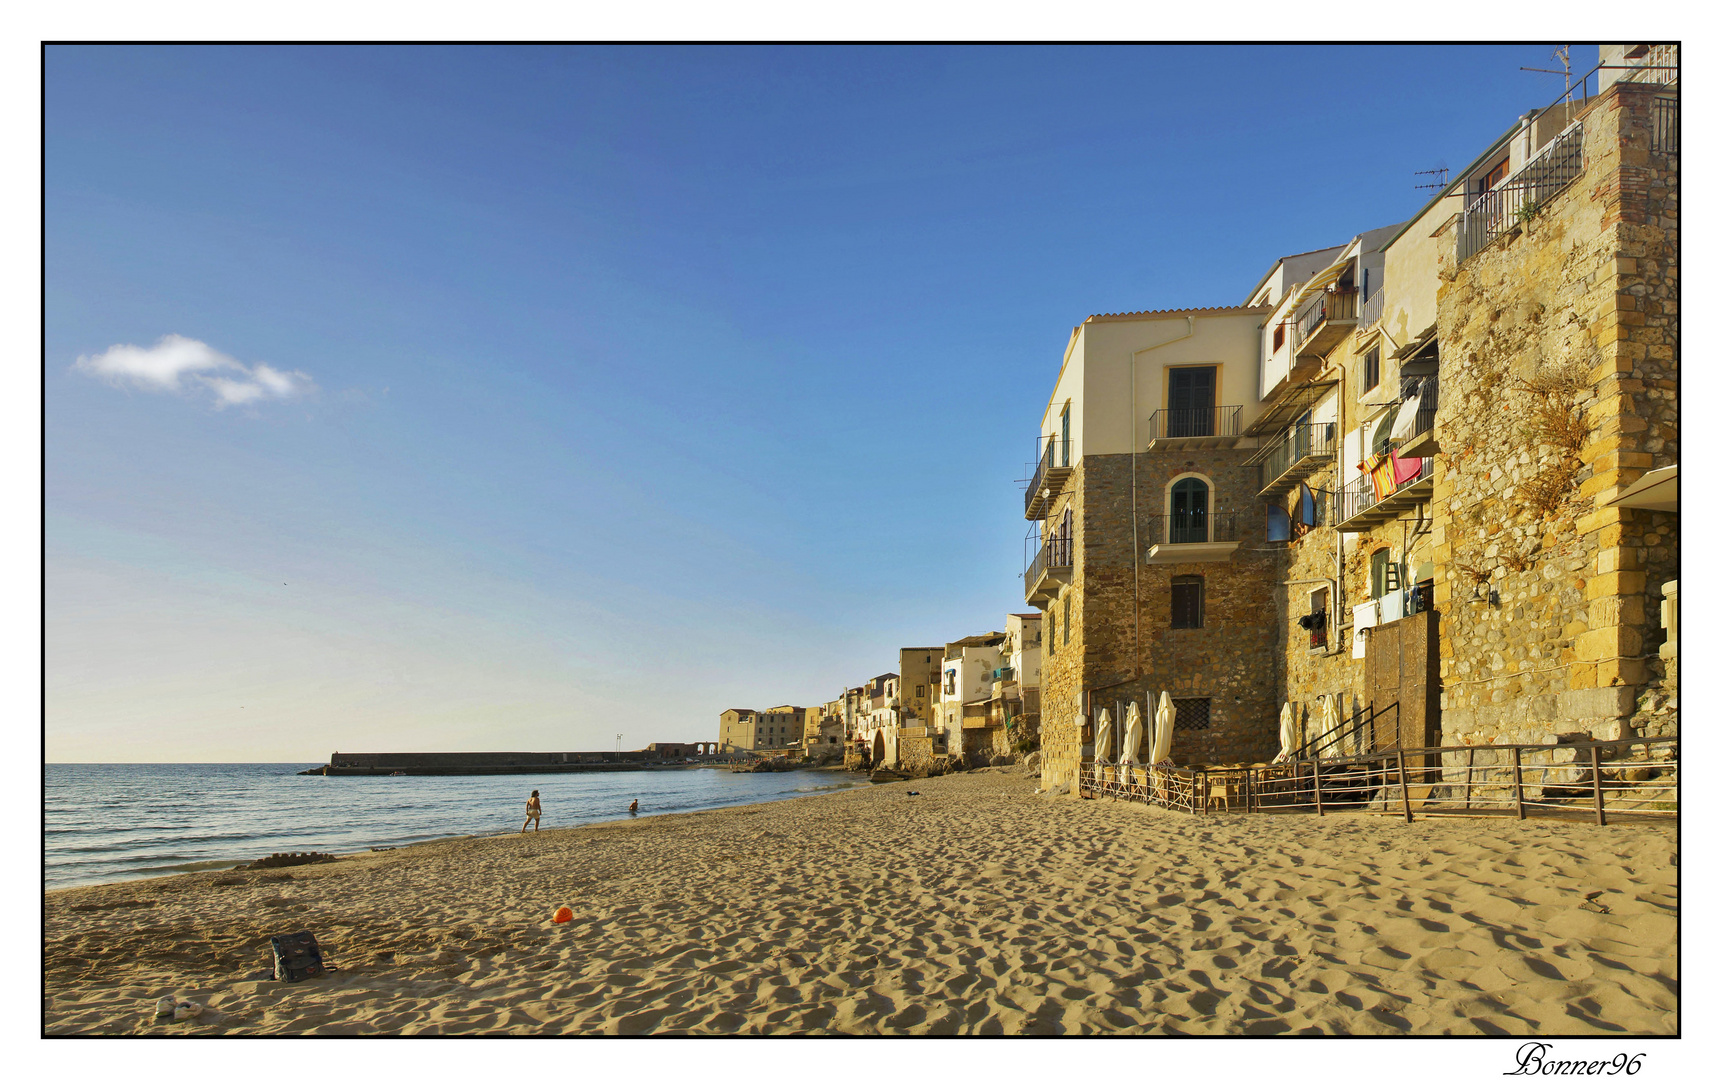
1372,369
1066,620
1316,621
920,691
1051,631
1494,176
1188,523
1191,714
1064,429
1378,563
1279,336
1187,603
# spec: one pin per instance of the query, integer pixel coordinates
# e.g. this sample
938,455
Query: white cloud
185,365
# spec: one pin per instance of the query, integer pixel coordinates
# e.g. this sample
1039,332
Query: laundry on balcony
1387,471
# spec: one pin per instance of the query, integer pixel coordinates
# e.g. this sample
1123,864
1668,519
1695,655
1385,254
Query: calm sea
111,822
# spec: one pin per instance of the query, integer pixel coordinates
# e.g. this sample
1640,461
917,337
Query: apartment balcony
1362,507
1293,455
1199,536
1049,571
1506,207
1213,428
1049,478
1321,326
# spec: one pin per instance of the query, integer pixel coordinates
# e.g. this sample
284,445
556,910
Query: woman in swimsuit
533,809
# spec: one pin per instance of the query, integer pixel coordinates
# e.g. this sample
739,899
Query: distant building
1016,685
965,694
775,729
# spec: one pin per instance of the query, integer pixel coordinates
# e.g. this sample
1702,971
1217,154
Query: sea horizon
106,822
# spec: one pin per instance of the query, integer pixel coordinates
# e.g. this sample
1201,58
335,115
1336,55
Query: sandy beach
973,907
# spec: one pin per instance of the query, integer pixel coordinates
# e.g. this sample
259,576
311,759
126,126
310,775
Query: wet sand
974,907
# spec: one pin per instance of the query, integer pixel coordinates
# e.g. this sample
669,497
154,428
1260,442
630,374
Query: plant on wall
1559,427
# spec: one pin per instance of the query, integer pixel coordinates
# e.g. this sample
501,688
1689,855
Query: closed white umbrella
1132,734
1329,724
1162,731
1288,732
1102,737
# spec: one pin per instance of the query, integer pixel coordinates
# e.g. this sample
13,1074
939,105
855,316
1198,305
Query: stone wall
1558,368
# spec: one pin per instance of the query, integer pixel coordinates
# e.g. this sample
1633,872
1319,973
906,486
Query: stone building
1428,471
778,728
1558,330
1150,556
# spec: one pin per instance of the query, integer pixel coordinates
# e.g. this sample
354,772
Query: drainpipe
1135,539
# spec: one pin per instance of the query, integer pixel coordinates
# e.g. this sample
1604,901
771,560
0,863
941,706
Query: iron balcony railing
1523,195
1427,390
1359,495
1193,527
1293,445
1370,313
1220,421
1665,125
1054,554
1055,454
1334,305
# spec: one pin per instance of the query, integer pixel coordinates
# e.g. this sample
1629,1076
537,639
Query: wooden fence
1625,779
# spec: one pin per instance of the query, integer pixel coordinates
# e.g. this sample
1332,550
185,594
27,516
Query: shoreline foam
975,907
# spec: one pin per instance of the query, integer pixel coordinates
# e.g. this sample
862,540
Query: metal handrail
1521,196
1363,719
1218,421
1291,446
1201,527
1598,779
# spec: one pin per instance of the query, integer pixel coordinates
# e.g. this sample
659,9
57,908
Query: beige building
778,728
1429,471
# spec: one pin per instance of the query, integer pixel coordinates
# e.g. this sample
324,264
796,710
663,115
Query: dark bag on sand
296,956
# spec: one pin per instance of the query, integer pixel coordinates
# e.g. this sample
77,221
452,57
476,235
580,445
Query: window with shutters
1378,573
1372,369
1316,621
1187,602
1191,714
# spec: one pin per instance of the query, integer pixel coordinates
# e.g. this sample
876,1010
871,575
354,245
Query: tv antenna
1440,181
1564,54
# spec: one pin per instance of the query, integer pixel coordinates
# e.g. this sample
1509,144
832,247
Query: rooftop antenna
1440,181
1562,53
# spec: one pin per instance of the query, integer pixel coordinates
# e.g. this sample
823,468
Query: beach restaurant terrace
1600,780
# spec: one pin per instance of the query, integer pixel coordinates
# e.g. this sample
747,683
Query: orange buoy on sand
563,914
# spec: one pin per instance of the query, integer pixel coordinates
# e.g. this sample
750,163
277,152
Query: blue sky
549,394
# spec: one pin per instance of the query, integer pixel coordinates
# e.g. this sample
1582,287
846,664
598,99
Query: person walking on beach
533,809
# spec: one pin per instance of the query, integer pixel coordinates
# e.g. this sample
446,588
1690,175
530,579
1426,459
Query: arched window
1383,435
1188,523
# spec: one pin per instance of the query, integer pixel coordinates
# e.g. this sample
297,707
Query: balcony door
1189,524
1190,393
